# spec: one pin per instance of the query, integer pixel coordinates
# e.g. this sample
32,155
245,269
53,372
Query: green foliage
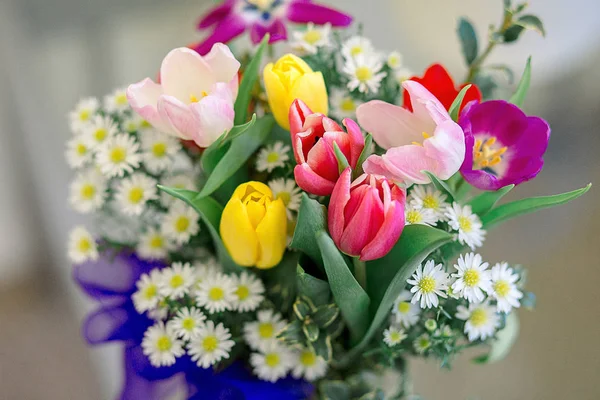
455,107
281,281
483,203
312,218
468,40
531,22
441,186
363,155
234,132
519,96
315,289
248,80
341,158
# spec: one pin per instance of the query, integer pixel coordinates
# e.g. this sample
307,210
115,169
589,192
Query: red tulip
313,136
439,82
366,217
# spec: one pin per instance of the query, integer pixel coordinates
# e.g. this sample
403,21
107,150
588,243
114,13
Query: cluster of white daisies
480,294
190,304
118,160
426,205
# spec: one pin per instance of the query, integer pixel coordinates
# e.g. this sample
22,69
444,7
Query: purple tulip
503,145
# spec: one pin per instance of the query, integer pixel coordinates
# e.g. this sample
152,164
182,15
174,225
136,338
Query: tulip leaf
468,40
519,97
210,212
441,186
414,248
349,296
314,288
234,157
363,155
341,158
504,341
455,107
235,132
525,206
249,78
483,203
312,218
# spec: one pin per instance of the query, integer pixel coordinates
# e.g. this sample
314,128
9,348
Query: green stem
360,272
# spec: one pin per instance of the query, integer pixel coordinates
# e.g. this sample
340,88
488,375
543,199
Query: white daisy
288,192
160,313
419,216
87,192
78,152
422,343
176,281
309,40
159,150
153,245
504,288
116,102
393,336
272,156
99,131
83,114
406,313
188,322
428,282
134,123
308,365
402,74
394,60
428,197
248,292
356,46
364,73
147,296
482,320
205,269
273,363
161,345
472,278
134,192
343,105
262,332
81,245
179,181
467,224
119,155
216,293
210,345
180,223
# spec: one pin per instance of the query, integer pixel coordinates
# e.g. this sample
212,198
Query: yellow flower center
465,224
176,281
210,343
413,217
404,307
430,202
356,50
150,292
182,224
136,195
121,99
272,359
84,115
396,336
216,294
266,330
163,343
363,74
347,105
188,324
502,288
424,343
81,149
156,242
394,61
87,191
427,284
159,149
117,155
84,245
471,277
312,36
285,197
308,358
486,154
242,292
100,134
478,317
145,124
272,157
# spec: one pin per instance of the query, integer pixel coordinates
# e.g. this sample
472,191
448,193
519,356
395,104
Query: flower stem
360,272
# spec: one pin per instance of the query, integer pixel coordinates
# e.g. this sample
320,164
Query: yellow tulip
291,78
254,226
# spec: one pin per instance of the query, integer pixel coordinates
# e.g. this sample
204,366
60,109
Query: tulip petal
357,140
216,14
388,234
423,102
143,98
337,205
304,12
297,115
276,32
180,116
272,235
239,237
364,224
223,64
184,74
277,96
310,182
226,30
215,116
310,87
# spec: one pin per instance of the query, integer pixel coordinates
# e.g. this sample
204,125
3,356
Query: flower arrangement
295,232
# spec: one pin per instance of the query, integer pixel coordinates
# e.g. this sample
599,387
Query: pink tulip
366,217
425,139
313,135
194,99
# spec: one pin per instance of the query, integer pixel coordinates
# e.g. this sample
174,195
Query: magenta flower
234,17
503,145
366,217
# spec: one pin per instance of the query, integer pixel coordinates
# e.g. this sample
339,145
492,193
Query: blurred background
55,51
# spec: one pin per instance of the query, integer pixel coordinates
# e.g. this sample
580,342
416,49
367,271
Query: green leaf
236,154
455,107
363,155
441,186
341,158
335,390
312,218
468,40
531,22
292,334
504,341
322,347
248,80
302,308
210,212
311,331
235,131
519,96
315,289
483,203
349,296
525,206
512,34
325,315
280,281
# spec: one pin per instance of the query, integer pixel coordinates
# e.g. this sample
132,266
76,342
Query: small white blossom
422,343
504,288
99,131
393,336
154,245
147,296
216,293
158,151
482,320
406,313
428,197
78,153
176,281
261,333
357,46
364,73
116,102
468,225
272,156
394,60
419,216
429,282
134,192
161,345
288,192
402,74
249,292
188,323
309,40
118,155
87,192
211,345
343,105
273,363
83,113
473,279
180,223
308,365
81,245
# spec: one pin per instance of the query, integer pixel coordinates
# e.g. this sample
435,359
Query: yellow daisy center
394,61
272,157
84,115
465,224
363,74
163,343
176,281
427,284
285,197
150,292
210,343
145,124
266,330
502,288
356,50
404,307
136,195
312,36
424,343
242,292
100,134
486,153
348,104
118,154
471,277
156,242
84,245
413,217
478,317
188,324
272,360
87,191
308,358
159,149
396,336
182,224
81,149
121,99
430,202
216,294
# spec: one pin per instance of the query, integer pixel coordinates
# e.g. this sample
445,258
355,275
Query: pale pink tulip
194,99
425,139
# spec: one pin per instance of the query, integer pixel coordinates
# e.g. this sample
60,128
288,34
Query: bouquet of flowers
296,227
